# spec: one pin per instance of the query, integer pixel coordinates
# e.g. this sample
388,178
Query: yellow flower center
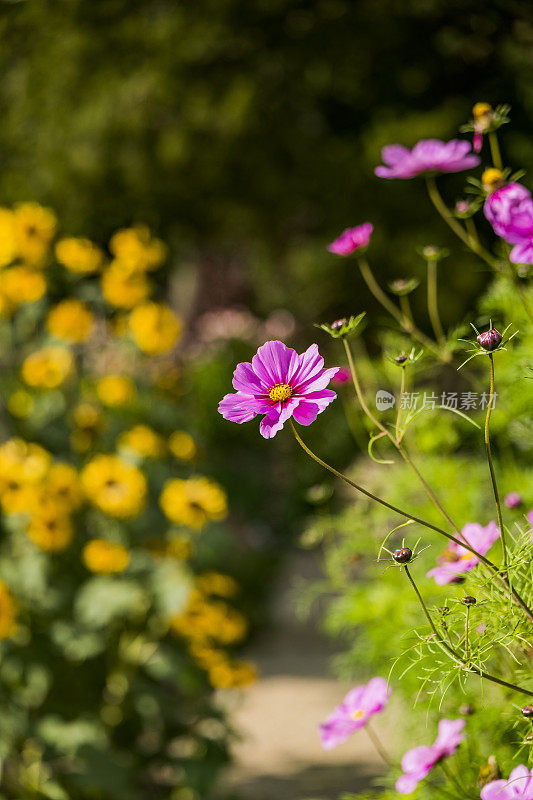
492,178
358,715
481,110
280,392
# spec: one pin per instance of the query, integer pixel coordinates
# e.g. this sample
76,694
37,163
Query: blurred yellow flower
105,558
135,248
17,495
22,462
47,368
88,421
209,620
142,440
34,229
123,287
8,242
63,485
232,675
193,502
205,655
217,583
115,390
23,285
182,445
79,255
70,320
8,611
154,328
117,488
50,528
20,403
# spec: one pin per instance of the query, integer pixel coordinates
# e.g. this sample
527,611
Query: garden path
279,756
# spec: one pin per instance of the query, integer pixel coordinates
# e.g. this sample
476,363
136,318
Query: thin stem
453,653
450,220
400,401
491,465
405,306
395,312
467,634
425,523
433,307
495,150
357,387
374,738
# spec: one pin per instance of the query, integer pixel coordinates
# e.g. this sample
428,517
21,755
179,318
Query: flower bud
343,327
490,340
469,600
466,710
402,555
481,110
462,207
337,325
492,179
403,286
489,772
529,738
401,359
444,610
432,253
527,711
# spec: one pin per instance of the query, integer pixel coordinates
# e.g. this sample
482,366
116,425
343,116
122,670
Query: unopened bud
401,359
469,600
466,710
402,555
444,610
338,324
527,711
490,340
492,179
481,110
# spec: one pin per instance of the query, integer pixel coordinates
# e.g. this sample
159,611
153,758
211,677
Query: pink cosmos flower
519,785
456,559
280,384
342,376
354,712
510,212
428,156
352,239
512,500
418,762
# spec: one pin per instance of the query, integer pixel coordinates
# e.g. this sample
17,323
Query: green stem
456,227
395,312
374,738
433,307
399,412
452,652
491,465
405,306
467,634
492,567
495,150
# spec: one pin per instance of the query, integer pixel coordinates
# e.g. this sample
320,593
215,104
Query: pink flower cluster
456,560
510,212
280,384
418,762
428,157
355,710
519,786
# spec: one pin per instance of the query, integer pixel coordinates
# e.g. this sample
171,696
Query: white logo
384,400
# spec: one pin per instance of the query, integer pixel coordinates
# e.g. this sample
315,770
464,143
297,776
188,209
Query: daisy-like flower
418,762
354,712
280,384
352,239
456,560
510,212
518,786
428,156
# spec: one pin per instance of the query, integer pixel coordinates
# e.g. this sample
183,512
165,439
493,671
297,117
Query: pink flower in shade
428,156
510,212
518,786
512,500
342,376
477,144
418,762
354,712
456,559
280,384
352,239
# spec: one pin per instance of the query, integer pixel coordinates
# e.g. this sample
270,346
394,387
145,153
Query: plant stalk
491,465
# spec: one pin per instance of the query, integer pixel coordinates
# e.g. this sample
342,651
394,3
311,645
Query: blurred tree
250,130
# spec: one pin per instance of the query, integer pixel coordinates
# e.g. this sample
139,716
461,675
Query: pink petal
246,380
241,408
275,363
306,413
408,783
419,759
495,790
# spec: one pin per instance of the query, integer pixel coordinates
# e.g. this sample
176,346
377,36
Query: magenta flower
354,712
342,376
510,212
280,384
429,156
352,239
519,785
418,762
512,500
456,559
